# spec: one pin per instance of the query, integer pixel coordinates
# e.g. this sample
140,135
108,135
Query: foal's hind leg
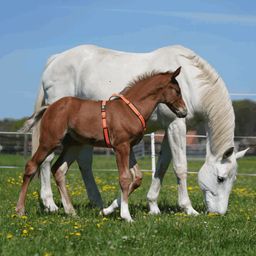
136,175
59,170
30,170
45,173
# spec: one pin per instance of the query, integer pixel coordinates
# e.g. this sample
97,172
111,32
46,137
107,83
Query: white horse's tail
36,128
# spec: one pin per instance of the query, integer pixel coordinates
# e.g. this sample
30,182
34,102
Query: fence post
25,148
153,153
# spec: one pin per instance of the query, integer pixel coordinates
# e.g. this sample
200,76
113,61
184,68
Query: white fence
20,143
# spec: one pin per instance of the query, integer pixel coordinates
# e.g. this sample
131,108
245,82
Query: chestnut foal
72,120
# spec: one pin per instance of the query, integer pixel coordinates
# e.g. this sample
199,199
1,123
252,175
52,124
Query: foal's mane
141,78
215,103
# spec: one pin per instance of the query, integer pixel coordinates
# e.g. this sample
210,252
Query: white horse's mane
215,104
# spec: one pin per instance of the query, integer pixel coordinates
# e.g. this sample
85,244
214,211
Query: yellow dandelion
98,180
47,254
35,194
213,214
77,234
24,217
181,214
9,236
99,225
24,232
108,188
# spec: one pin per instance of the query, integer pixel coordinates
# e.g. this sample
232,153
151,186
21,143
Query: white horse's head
216,178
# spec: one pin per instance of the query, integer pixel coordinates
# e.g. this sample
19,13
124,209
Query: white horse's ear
228,153
241,154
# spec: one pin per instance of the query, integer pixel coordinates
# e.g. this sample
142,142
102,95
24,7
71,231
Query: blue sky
223,32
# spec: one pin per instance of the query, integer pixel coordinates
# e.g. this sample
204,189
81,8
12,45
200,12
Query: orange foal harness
104,117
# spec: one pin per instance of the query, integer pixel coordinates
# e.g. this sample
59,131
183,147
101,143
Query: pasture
171,233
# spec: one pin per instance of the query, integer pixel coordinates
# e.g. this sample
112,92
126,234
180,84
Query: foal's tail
32,120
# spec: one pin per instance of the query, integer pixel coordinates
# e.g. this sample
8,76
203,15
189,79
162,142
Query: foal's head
172,94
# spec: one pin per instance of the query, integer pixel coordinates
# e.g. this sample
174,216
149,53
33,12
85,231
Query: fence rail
20,143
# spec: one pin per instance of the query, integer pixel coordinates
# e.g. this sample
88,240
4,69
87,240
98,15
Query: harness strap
104,123
133,108
104,117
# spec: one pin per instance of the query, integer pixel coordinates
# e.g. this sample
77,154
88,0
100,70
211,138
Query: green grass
171,233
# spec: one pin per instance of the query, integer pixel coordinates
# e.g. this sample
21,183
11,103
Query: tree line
245,120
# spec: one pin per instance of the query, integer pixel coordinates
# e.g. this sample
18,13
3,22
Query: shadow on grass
136,209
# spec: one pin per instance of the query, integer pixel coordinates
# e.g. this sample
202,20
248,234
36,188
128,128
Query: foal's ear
176,72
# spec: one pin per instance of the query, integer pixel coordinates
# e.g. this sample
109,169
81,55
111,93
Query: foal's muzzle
181,112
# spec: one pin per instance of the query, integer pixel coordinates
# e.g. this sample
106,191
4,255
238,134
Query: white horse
74,73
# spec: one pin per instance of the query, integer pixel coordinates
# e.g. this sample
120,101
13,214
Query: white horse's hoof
128,219
154,212
154,209
191,211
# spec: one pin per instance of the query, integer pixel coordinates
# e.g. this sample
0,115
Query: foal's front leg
136,175
122,160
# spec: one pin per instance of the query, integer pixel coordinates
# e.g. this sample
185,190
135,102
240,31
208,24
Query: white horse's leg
177,139
85,164
161,168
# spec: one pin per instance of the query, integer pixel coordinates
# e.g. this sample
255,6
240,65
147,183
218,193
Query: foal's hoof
71,212
51,209
106,211
50,206
20,211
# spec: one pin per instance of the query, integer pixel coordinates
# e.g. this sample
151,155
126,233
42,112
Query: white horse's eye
220,179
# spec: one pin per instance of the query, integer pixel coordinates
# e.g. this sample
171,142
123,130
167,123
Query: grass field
171,233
